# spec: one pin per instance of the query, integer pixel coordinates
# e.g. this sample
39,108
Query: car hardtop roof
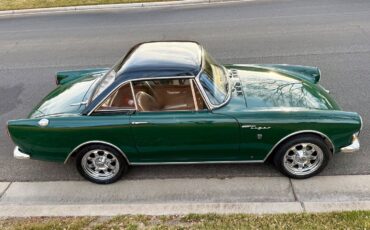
159,59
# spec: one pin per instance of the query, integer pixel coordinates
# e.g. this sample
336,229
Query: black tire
289,148
91,174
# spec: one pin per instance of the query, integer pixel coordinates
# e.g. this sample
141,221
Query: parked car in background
170,102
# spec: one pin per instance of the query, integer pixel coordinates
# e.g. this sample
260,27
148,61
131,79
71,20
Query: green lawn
339,220
29,4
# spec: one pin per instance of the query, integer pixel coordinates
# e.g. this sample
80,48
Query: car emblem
256,127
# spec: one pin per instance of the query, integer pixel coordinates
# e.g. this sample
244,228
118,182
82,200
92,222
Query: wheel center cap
100,162
301,157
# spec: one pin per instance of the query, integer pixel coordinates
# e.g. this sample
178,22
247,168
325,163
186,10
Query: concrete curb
148,209
255,195
113,7
178,208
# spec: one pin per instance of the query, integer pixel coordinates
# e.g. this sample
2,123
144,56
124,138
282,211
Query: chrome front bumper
19,155
355,146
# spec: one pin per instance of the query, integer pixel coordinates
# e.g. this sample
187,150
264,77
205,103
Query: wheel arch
326,139
87,143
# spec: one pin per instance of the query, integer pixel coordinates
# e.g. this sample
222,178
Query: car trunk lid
68,98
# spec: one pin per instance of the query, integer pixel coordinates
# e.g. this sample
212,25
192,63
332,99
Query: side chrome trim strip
197,162
97,142
299,132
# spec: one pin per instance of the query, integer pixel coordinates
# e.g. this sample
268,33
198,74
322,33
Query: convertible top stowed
161,59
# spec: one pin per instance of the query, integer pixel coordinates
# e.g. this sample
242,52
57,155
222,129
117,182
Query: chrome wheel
100,164
303,158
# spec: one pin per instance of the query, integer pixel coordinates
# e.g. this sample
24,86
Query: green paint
278,100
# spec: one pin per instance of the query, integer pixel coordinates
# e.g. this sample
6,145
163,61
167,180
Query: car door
172,124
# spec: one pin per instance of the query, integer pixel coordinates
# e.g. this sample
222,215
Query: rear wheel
101,164
302,157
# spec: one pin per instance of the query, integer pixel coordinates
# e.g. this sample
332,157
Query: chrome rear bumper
19,155
355,146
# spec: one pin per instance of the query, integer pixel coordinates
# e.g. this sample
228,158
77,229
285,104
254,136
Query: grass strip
32,4
335,220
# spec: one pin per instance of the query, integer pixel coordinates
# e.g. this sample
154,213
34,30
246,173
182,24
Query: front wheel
302,157
101,164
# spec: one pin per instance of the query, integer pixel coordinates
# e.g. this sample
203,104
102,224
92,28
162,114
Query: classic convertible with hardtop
172,103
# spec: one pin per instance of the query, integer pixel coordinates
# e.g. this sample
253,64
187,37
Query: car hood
265,88
69,98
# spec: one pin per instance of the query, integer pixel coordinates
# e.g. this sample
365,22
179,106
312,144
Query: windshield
214,81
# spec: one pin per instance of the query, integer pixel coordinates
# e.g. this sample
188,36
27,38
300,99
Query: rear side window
120,99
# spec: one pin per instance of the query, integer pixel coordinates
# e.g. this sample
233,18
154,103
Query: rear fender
63,77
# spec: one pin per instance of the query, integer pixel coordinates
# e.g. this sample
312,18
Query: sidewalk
183,196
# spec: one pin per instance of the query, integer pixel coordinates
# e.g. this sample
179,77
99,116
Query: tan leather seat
146,102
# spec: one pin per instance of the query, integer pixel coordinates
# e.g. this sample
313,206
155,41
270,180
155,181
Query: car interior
165,95
155,95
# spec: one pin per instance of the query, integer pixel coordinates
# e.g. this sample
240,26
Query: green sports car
170,102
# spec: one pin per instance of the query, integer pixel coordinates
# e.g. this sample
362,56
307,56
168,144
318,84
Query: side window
121,99
165,95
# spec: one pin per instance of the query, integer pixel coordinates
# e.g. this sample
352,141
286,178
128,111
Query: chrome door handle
139,122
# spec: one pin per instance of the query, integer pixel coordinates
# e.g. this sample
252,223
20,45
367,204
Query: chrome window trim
300,132
208,102
114,110
205,99
97,142
168,111
175,77
193,93
165,111
130,82
203,93
101,101
133,95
